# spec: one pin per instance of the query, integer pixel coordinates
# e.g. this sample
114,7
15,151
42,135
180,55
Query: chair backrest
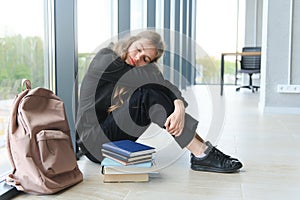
251,62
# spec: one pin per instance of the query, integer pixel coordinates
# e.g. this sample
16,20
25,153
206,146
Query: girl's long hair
121,49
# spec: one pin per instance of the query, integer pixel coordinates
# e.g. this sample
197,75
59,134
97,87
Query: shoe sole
212,169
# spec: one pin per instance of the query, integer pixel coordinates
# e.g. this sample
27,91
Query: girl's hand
175,122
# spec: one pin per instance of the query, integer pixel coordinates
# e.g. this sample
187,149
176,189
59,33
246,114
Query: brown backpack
39,143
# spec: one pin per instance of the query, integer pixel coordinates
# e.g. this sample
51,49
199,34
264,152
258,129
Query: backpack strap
12,123
26,83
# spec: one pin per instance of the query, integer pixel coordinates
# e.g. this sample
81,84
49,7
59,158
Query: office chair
249,64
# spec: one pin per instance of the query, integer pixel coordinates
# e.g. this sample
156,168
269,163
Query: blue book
110,154
110,166
128,148
112,163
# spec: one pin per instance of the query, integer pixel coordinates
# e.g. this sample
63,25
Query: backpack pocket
56,152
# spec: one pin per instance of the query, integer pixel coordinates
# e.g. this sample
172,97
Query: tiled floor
267,144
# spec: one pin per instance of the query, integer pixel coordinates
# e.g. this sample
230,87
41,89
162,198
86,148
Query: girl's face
140,52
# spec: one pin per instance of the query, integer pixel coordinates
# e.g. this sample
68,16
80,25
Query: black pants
146,105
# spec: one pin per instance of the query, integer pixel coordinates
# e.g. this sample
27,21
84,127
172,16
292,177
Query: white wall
278,43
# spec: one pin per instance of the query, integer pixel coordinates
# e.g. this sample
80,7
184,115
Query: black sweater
107,71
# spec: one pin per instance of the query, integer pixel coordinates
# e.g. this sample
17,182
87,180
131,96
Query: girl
123,92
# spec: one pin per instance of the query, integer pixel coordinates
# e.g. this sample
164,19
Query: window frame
7,191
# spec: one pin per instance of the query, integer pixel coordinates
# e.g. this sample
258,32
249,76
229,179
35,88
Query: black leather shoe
215,161
219,152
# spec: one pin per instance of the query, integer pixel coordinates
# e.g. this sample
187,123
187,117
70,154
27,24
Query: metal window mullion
166,58
184,45
176,41
189,45
123,16
65,57
192,36
151,10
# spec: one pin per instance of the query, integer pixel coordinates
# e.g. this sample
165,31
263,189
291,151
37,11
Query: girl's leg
196,146
146,105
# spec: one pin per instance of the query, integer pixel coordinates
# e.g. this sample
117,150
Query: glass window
96,25
21,56
218,33
138,14
159,16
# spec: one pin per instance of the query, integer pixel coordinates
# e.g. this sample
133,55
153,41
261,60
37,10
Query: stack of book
126,161
114,172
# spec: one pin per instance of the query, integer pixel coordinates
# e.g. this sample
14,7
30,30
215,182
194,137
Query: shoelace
221,153
223,158
210,147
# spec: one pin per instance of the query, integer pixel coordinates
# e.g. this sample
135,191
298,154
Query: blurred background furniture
249,64
236,54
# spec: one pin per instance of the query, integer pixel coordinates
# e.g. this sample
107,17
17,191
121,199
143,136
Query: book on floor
128,148
147,159
107,153
114,171
125,178
110,166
